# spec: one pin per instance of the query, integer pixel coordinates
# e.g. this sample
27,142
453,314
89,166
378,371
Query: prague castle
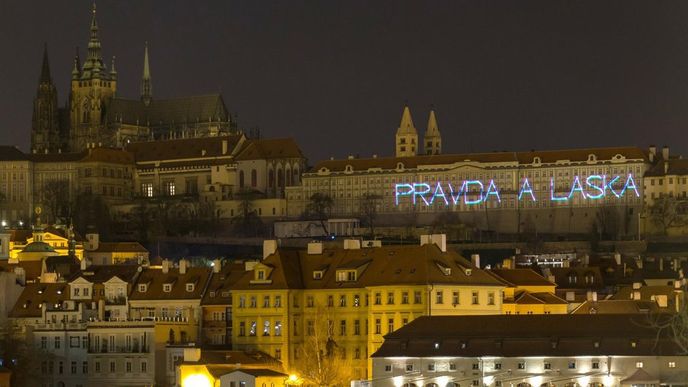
95,115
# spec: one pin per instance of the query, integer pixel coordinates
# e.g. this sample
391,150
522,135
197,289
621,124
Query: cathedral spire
146,86
433,138
76,70
407,136
45,68
94,60
406,124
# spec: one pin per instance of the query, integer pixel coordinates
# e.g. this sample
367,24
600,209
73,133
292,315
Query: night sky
502,75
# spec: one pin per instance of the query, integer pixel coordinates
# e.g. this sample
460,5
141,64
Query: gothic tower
91,90
146,86
407,136
432,139
45,130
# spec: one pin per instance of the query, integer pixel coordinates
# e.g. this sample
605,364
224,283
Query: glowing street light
197,380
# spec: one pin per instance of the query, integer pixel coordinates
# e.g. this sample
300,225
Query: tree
448,222
21,356
247,222
369,205
90,210
675,324
668,212
606,225
55,196
322,361
319,207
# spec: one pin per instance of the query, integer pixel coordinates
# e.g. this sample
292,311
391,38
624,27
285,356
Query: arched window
171,337
254,178
409,385
280,178
452,384
524,384
295,171
431,385
271,178
241,179
288,176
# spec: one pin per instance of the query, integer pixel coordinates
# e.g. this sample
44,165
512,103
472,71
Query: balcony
119,300
119,349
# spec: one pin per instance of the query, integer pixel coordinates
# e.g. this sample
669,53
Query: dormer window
212,293
190,287
318,274
346,275
400,166
537,160
167,288
592,157
143,288
260,274
349,169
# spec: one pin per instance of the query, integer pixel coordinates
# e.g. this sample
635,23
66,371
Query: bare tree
369,205
668,212
55,196
675,324
322,361
22,357
606,224
319,207
247,222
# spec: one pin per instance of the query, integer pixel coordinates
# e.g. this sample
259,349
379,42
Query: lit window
672,364
639,364
147,189
167,288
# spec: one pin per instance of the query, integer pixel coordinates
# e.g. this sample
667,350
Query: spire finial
146,86
45,68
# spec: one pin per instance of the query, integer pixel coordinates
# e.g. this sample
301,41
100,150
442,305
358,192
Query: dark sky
503,75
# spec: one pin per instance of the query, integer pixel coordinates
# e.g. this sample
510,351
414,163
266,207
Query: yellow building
170,296
362,293
666,195
49,240
217,303
229,368
527,292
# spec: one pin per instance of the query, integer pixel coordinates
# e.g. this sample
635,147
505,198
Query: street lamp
293,380
197,380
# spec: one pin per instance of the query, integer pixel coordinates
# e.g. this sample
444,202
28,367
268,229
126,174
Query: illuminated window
672,364
639,364
147,190
390,298
475,297
439,297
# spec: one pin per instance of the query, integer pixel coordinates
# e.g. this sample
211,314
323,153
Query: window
330,301
112,367
378,326
596,365
342,300
167,288
252,329
278,301
144,366
439,295
521,365
416,297
309,328
128,366
310,302
490,298
147,190
278,354
378,298
452,366
357,327
409,367
475,297
72,369
266,328
342,328
357,300
572,365
548,365
266,301
431,367
639,364
242,328
404,297
254,302
169,188
475,366
390,298
190,287
84,367
242,301
498,366
44,342
278,328
260,274
455,298
390,325
97,366
672,364
388,368
57,342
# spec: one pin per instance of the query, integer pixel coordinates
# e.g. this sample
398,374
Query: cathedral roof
12,153
203,108
183,149
270,149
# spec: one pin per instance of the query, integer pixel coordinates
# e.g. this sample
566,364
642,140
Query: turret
407,136
433,139
45,120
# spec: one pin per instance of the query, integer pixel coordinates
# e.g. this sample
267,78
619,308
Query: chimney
352,244
475,260
269,247
83,263
192,354
653,153
666,166
315,248
594,296
217,265
224,147
182,266
21,275
617,258
165,266
665,152
440,240
661,264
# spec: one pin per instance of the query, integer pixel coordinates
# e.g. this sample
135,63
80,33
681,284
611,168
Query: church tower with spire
407,136
146,86
432,140
45,124
92,87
